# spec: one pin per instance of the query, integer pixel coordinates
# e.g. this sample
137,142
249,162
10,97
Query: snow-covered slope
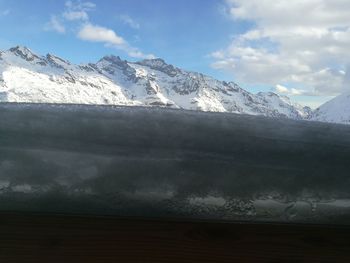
28,77
336,110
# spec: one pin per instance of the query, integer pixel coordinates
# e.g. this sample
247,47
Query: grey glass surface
134,161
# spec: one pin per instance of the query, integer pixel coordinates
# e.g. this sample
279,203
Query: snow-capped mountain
336,110
28,77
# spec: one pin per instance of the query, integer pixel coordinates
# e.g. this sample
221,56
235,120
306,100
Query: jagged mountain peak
160,65
57,61
273,94
154,62
50,56
114,66
111,59
269,93
22,49
283,98
24,53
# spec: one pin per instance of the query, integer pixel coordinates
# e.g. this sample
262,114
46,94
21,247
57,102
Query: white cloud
74,11
100,34
281,89
78,10
55,25
136,53
301,42
77,13
286,91
86,6
129,21
110,38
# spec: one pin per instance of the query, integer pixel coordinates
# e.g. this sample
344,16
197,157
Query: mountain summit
28,77
336,110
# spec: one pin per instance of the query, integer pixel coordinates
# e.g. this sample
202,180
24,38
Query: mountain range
29,77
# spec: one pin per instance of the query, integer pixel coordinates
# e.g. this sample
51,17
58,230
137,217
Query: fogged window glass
229,110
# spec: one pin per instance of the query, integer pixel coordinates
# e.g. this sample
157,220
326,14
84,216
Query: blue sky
182,32
227,39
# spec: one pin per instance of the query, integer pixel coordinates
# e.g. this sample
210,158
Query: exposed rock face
160,65
24,53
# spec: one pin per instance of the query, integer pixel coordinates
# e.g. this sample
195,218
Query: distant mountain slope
28,77
336,110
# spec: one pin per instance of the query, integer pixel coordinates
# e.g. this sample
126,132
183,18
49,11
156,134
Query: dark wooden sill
52,238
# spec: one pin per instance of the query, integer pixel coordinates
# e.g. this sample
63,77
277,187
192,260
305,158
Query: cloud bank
303,43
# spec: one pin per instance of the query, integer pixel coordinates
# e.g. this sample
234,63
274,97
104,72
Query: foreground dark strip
40,238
